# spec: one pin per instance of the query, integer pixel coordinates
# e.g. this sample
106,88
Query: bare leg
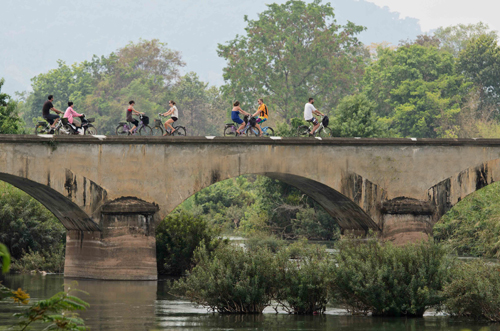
260,130
315,128
169,126
132,130
54,124
242,126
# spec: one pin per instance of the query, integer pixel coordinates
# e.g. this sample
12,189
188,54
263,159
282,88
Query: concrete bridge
111,193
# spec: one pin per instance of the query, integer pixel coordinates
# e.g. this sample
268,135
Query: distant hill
33,37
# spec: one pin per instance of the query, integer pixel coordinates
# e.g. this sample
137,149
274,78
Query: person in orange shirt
263,113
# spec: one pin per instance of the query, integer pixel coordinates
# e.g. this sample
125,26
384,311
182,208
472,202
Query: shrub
387,280
474,291
26,225
303,279
177,237
230,280
49,261
268,241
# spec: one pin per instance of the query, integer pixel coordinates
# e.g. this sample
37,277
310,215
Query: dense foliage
471,227
385,280
230,280
258,204
177,237
34,237
474,291
10,122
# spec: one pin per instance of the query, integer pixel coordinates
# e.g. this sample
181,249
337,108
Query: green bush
177,237
474,291
304,275
27,226
230,280
270,242
49,261
389,281
472,226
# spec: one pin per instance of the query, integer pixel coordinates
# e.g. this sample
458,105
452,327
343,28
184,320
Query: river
146,305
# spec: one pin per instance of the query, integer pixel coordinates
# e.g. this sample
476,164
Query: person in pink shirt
70,113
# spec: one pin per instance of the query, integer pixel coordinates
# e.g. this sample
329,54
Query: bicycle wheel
91,130
325,133
252,132
121,130
158,131
145,131
230,131
179,131
40,129
268,132
303,131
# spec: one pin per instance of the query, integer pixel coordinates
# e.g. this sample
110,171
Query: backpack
252,121
325,121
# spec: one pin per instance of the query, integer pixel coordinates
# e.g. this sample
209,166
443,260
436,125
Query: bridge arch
346,213
70,215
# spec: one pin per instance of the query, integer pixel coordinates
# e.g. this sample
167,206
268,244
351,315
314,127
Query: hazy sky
435,13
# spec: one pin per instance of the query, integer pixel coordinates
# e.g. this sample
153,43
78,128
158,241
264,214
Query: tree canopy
292,52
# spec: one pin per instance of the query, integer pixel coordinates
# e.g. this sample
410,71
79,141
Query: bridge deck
246,140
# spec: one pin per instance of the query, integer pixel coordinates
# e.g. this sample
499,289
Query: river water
146,305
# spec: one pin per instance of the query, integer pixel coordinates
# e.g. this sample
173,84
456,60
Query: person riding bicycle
263,113
235,116
309,110
174,116
130,118
70,114
47,107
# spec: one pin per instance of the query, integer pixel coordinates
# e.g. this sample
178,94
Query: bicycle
143,128
44,128
322,131
88,129
159,127
266,130
231,129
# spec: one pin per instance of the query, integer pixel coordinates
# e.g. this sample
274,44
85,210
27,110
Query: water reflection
147,305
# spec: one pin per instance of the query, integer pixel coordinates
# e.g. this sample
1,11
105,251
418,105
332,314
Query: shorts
174,118
261,120
237,120
134,122
51,118
313,121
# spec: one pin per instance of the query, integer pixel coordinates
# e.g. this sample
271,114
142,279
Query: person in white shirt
174,117
309,110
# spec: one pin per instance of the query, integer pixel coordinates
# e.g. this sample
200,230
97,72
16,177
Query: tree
292,52
455,38
413,63
10,122
355,117
479,62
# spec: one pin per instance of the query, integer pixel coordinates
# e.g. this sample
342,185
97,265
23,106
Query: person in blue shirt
235,116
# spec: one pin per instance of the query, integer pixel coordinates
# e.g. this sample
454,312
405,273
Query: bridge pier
125,249
406,220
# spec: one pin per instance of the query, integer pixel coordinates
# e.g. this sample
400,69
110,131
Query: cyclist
50,118
263,115
130,118
174,116
69,114
235,116
309,110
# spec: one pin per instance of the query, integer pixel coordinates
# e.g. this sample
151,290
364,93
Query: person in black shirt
47,107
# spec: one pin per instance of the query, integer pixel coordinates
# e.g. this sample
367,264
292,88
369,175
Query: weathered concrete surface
399,186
